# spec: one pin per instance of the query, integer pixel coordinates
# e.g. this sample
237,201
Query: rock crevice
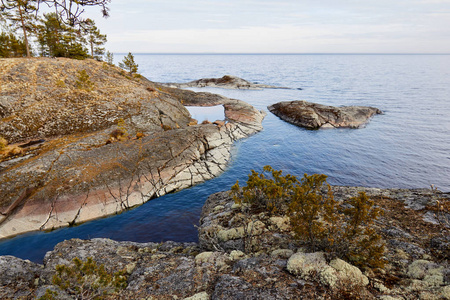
107,150
276,267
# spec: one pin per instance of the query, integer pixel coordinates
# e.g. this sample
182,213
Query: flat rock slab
225,82
314,116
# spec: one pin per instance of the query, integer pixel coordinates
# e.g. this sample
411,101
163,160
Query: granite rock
104,150
225,82
315,116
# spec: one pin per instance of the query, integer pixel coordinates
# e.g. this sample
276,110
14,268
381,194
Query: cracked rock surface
315,116
274,267
87,154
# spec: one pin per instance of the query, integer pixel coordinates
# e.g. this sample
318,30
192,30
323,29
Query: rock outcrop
315,116
225,82
87,148
275,266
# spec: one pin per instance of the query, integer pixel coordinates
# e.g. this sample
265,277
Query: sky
283,26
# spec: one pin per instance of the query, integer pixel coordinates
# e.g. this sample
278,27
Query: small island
314,116
225,82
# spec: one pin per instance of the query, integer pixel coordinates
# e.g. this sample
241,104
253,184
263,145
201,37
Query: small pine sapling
264,193
313,215
83,81
129,64
361,245
87,280
109,57
317,220
118,134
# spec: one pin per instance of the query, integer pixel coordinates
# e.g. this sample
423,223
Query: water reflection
207,113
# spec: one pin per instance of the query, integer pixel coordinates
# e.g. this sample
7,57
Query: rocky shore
86,140
315,116
225,82
275,267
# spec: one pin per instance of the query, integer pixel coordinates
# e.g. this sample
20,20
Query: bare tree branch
70,11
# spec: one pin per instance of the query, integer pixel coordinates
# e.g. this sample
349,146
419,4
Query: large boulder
315,116
92,147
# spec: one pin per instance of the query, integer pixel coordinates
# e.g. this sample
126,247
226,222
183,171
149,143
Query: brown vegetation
319,222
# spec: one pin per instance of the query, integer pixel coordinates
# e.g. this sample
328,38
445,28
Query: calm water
406,147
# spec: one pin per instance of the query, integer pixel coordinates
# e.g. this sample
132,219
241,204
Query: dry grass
9,150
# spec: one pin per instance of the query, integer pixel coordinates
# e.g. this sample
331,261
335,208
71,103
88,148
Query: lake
408,146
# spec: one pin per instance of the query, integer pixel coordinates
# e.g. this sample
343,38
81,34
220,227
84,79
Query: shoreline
147,143
218,267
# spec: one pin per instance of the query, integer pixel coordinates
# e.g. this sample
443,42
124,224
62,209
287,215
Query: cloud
280,39
278,26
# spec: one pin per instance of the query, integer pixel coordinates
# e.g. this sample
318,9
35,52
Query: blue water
406,147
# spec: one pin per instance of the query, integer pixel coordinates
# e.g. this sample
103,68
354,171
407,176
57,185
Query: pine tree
94,39
22,14
59,40
109,58
11,46
23,17
129,64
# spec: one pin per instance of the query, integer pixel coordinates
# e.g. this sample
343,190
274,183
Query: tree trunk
24,31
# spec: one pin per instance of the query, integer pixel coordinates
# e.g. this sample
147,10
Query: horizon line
278,53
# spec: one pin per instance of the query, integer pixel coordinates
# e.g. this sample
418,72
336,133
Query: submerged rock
315,116
225,82
104,148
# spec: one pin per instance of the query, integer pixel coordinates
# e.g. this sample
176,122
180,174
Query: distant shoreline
207,53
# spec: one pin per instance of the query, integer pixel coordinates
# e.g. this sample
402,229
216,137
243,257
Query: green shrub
313,215
87,280
83,82
318,221
60,83
3,143
267,191
360,244
122,126
49,295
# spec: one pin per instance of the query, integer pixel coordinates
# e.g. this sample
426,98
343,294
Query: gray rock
17,277
55,291
315,116
225,82
206,270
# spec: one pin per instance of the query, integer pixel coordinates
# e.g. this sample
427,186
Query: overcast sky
284,26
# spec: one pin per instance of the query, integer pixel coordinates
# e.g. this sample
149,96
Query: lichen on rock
274,268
